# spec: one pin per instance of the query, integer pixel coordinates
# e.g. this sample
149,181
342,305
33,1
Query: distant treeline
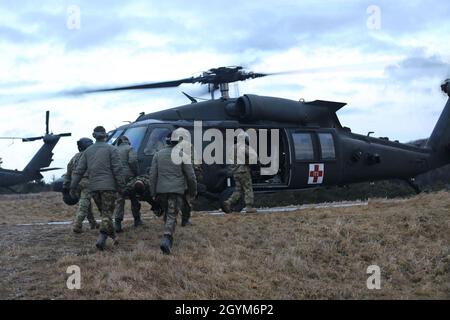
30,187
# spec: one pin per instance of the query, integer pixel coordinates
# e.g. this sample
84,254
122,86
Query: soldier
82,192
129,160
242,176
139,187
102,162
186,208
168,185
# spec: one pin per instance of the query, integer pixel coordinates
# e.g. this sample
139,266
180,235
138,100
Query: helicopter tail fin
43,158
439,141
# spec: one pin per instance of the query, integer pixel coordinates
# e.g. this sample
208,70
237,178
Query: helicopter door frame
309,156
314,170
332,165
284,163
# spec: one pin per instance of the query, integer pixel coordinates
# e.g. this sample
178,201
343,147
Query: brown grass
313,254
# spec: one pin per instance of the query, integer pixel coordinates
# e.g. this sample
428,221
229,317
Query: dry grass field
308,254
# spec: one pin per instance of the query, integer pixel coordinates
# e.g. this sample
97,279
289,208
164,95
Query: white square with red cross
316,173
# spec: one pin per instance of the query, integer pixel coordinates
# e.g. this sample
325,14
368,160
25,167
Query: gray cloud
213,25
414,68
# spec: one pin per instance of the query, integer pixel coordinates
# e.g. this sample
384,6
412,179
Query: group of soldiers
109,174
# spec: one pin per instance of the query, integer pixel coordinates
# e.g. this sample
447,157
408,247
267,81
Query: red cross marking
316,173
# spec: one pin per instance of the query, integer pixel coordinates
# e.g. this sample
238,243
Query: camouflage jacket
102,163
129,160
70,167
241,158
168,177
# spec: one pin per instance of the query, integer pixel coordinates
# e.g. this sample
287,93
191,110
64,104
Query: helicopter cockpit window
113,136
303,146
156,141
135,135
327,146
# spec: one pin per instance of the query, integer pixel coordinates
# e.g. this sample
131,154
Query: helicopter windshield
135,135
156,141
113,135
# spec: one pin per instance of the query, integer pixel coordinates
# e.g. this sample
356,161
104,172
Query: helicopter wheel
225,195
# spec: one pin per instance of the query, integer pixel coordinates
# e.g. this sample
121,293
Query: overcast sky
385,59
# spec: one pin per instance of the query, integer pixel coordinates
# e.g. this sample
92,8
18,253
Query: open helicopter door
280,161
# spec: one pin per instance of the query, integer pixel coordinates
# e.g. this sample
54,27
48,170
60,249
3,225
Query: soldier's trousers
105,201
186,208
84,209
243,183
120,207
172,204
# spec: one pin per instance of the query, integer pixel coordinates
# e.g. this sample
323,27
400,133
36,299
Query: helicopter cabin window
327,146
156,141
135,135
304,150
113,135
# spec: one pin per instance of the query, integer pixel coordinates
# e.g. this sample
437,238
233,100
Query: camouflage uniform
129,162
186,208
242,179
243,183
105,201
103,164
143,196
168,183
171,205
82,192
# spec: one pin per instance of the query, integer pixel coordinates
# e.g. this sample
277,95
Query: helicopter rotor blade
32,139
11,138
153,85
67,134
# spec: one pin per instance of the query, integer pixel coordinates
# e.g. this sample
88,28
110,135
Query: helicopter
39,163
313,148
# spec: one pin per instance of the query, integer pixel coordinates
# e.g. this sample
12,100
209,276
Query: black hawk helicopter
314,148
39,163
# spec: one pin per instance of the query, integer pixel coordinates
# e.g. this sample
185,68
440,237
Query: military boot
115,239
185,222
138,222
166,243
226,207
250,209
101,241
118,225
94,225
77,228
